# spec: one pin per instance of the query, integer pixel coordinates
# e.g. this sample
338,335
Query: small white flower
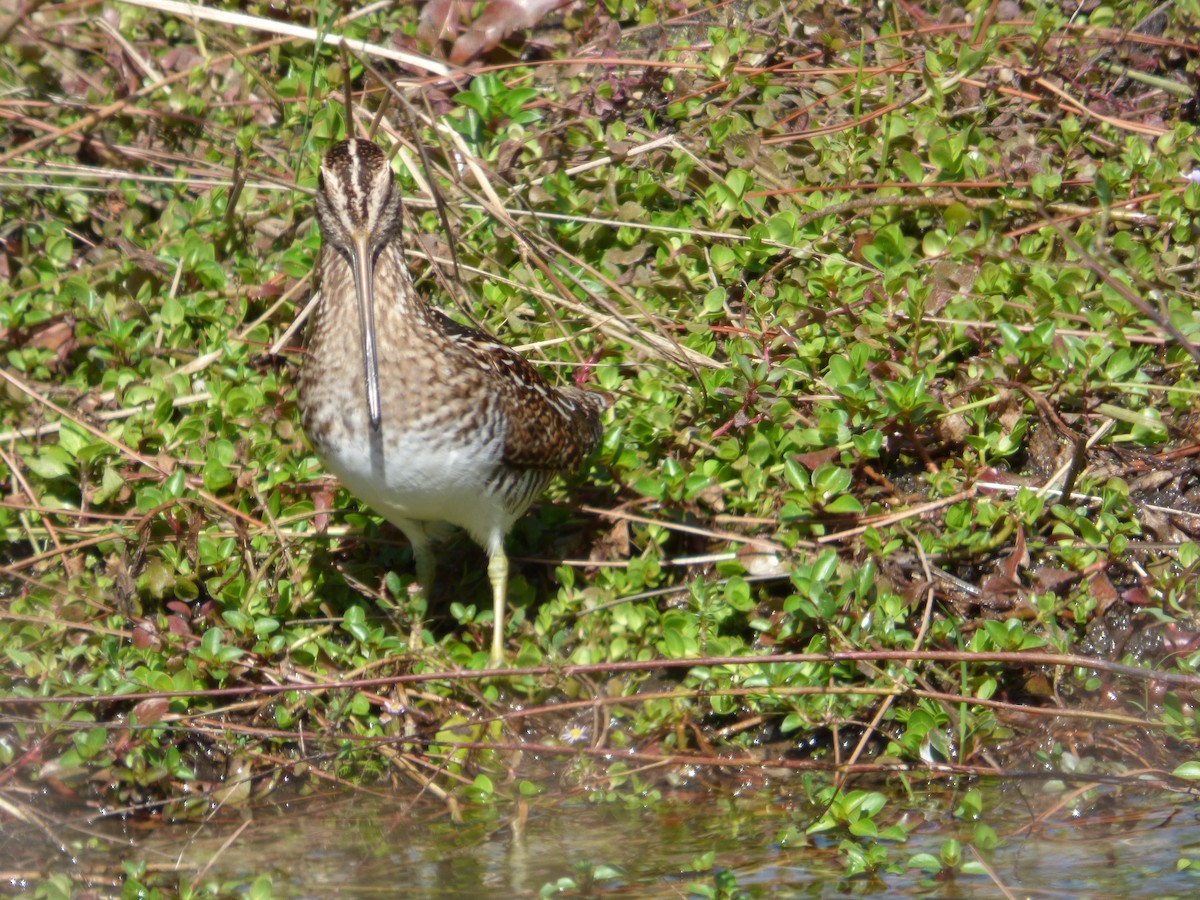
574,734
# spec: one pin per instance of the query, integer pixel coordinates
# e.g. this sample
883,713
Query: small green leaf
1189,771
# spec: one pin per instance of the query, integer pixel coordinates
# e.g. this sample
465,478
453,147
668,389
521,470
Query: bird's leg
422,551
426,565
498,576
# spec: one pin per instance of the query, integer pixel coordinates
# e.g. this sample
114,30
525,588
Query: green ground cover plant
898,307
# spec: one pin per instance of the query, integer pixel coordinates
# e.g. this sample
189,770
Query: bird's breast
407,474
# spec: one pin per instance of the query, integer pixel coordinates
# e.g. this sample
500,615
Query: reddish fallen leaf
1103,592
1018,559
54,335
1137,596
1176,640
152,710
498,20
59,787
817,458
322,503
145,636
998,476
861,238
268,290
440,20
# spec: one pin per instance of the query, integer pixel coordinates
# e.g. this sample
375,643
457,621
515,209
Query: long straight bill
364,287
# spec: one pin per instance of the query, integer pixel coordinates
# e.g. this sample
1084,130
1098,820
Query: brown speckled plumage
426,420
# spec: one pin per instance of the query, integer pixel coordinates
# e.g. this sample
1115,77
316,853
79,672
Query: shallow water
368,846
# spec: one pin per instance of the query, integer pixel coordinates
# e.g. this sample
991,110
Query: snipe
426,420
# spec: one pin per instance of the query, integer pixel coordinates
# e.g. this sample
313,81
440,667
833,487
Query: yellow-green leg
498,576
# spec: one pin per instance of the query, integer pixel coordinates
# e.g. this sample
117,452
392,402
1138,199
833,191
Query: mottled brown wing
548,428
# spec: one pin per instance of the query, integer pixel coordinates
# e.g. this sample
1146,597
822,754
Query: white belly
413,478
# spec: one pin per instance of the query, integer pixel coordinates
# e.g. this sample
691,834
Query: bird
431,423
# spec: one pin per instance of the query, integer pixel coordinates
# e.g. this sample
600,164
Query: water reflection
315,847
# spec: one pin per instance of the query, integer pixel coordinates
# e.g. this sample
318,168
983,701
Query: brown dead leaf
613,545
951,429
322,504
712,496
500,19
999,593
148,711
1018,559
1137,596
1009,411
1047,452
268,290
816,458
440,20
145,636
1046,578
950,279
1103,592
